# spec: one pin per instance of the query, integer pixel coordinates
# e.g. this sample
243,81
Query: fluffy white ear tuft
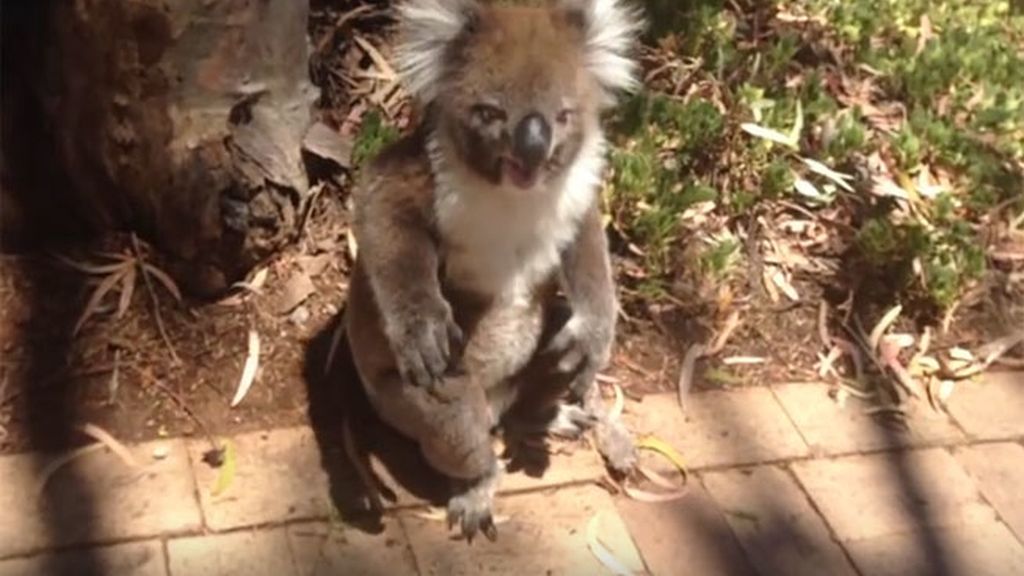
611,31
426,29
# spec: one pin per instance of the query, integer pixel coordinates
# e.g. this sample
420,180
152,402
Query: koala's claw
426,348
471,511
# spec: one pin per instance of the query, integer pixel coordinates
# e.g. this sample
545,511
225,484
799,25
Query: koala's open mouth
521,174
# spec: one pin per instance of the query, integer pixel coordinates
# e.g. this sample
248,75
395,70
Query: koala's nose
531,140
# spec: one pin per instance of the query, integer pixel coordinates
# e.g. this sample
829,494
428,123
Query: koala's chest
504,253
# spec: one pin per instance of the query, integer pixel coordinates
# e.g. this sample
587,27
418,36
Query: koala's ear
610,30
427,29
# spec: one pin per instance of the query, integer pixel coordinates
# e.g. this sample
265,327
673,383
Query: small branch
154,301
181,404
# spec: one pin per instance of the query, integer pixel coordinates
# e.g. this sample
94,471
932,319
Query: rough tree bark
182,120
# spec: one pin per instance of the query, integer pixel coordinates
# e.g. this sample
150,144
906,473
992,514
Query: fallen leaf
256,283
693,353
731,323
958,353
127,290
601,552
822,170
163,278
734,360
946,388
808,190
226,475
883,325
353,245
110,442
798,124
768,134
104,287
92,269
252,363
663,448
780,280
59,462
925,34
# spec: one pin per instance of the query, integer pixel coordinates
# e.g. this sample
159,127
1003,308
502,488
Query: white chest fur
503,242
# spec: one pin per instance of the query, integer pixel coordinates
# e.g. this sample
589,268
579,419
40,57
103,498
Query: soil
120,373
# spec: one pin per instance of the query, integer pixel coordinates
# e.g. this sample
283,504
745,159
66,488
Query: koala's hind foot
569,421
614,442
471,507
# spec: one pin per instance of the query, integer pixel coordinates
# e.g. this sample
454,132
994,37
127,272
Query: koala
482,296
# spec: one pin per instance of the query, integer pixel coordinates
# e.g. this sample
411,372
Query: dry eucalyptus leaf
252,364
883,325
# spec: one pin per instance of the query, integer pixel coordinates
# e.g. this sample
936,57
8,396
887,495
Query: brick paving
783,480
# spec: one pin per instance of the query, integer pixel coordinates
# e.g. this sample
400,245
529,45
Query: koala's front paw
425,343
582,348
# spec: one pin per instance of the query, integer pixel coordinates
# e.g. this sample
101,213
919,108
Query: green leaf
227,469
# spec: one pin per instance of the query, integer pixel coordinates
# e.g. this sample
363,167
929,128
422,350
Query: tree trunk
181,120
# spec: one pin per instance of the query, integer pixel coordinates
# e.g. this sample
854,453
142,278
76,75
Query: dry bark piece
296,290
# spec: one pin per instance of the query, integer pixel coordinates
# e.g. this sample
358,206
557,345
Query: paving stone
580,465
133,559
687,535
95,498
890,493
278,477
831,430
741,426
978,550
546,533
775,523
992,409
321,550
998,470
246,553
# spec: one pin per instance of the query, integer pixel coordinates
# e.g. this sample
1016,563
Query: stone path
783,481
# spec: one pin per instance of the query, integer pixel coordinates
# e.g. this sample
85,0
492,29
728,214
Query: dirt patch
120,374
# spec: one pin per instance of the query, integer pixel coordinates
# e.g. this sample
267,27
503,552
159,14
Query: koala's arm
588,284
399,253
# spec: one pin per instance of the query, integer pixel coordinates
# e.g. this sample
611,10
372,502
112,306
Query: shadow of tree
38,214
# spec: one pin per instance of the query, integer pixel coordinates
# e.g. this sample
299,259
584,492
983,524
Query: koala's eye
488,114
564,115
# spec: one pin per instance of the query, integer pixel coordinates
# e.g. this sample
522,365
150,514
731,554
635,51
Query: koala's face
518,99
516,90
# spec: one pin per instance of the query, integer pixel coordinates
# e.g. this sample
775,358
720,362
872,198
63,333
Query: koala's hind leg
452,424
450,421
547,401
